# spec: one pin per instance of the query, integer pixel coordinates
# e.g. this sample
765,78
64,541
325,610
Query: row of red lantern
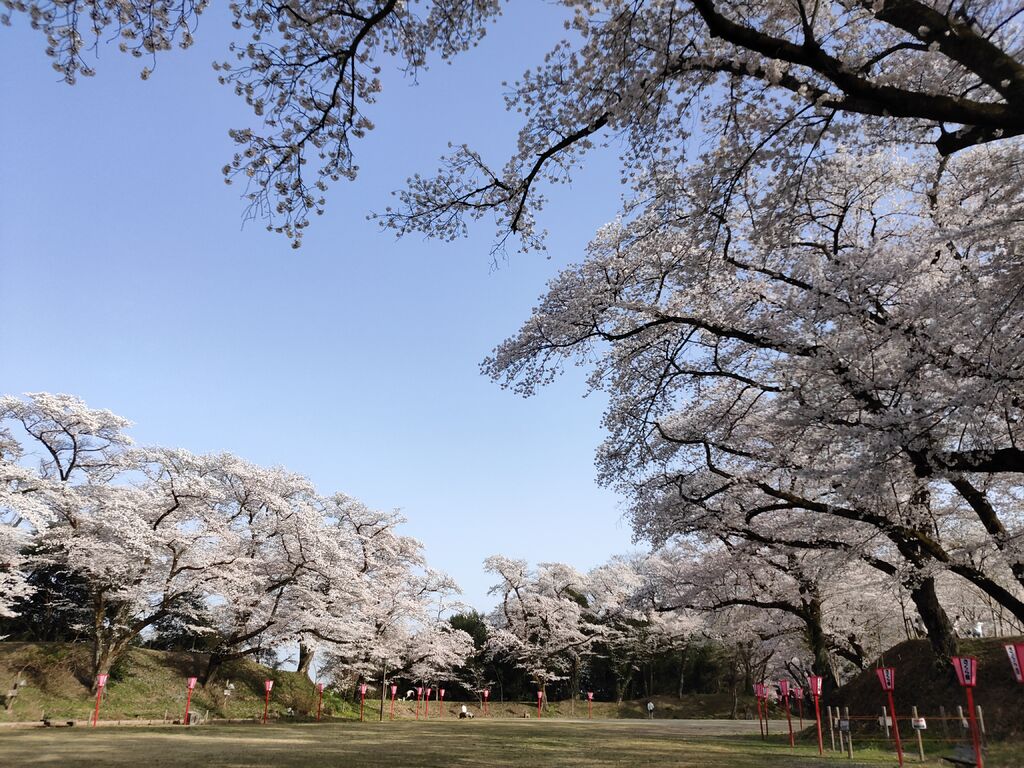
785,691
268,686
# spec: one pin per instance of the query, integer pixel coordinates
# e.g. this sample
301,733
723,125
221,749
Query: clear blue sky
126,278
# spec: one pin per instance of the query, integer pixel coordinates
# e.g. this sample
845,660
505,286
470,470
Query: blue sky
126,278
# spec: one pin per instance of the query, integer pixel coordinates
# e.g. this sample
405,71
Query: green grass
545,744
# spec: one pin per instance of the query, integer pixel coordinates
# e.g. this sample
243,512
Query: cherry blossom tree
633,632
541,624
394,620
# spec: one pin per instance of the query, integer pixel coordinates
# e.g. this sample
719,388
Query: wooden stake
920,741
945,726
831,730
849,733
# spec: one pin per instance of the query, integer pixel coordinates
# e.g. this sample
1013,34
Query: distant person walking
650,710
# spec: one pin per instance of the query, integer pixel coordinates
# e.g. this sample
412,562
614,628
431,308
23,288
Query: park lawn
527,743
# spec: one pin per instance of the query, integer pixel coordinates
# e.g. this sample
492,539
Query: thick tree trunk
940,628
682,671
306,654
817,641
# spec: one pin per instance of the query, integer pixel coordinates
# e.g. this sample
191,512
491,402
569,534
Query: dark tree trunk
817,641
940,628
305,659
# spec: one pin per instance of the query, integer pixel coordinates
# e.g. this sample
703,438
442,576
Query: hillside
922,683
146,685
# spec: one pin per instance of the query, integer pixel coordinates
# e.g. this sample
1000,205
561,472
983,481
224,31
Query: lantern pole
268,685
101,683
784,690
188,699
320,700
815,681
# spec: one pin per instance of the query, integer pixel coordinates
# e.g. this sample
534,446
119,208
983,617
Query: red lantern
320,700
394,690
440,696
590,705
967,675
1016,654
487,694
362,699
419,693
887,679
540,697
966,670
815,684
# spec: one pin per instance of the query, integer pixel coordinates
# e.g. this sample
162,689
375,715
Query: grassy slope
149,684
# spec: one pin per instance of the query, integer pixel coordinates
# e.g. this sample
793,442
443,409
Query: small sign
885,722
918,724
844,726
887,677
814,682
101,680
966,670
1016,655
268,685
784,688
192,683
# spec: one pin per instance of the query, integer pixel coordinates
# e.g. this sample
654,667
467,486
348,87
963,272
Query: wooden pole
789,722
849,733
917,731
831,728
945,725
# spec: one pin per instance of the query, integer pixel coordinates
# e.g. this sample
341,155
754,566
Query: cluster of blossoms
251,556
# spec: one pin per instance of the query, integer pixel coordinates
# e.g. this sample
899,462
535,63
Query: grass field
527,743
